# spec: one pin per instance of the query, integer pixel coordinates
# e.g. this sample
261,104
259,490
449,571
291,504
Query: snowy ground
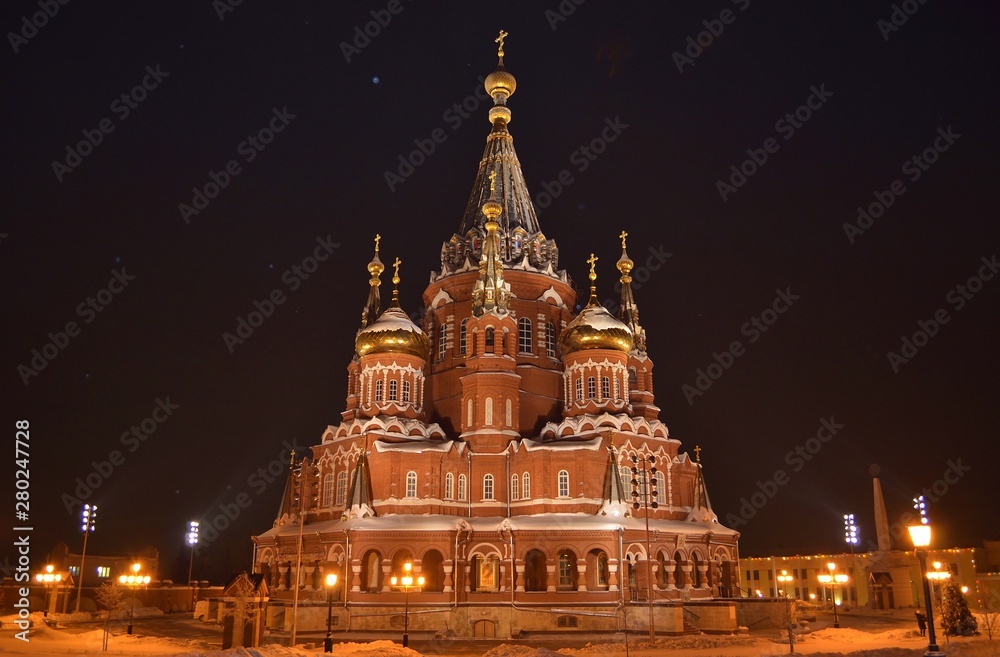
46,641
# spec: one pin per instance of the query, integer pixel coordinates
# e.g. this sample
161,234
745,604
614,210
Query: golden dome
392,333
595,328
500,82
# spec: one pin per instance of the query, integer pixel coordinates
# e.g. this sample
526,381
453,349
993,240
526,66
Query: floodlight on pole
88,519
192,540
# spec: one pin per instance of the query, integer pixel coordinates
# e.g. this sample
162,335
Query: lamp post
833,580
133,581
406,583
937,575
331,581
784,578
88,518
50,580
644,489
921,537
192,540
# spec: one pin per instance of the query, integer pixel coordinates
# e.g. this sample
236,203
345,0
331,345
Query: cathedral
507,454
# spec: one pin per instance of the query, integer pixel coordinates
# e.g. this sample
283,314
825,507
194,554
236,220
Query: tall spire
615,502
701,506
359,497
373,305
512,190
491,293
628,311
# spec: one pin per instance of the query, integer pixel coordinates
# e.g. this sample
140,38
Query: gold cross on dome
622,238
378,238
592,260
499,40
697,453
395,273
493,181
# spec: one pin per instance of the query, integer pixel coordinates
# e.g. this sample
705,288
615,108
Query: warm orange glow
920,535
331,580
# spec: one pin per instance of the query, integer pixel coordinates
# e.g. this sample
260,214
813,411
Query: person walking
921,622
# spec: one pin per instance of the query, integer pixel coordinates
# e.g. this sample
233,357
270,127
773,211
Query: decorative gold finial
697,454
378,238
493,181
622,238
499,40
592,261
395,272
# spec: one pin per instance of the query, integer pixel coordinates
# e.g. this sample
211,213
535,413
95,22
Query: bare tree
111,596
989,618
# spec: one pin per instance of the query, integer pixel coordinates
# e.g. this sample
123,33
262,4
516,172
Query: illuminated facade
492,447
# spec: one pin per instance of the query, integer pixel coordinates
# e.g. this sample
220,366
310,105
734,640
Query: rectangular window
461,487
524,335
550,340
591,387
104,571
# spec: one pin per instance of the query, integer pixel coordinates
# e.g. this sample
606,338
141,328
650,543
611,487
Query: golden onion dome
392,333
500,81
595,328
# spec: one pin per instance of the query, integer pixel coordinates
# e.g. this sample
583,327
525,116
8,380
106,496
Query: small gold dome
375,267
392,333
500,82
625,264
595,328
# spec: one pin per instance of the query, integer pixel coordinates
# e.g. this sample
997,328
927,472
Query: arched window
489,412
510,413
524,335
411,484
579,389
442,342
406,391
328,489
626,474
463,343
513,487
563,483
461,487
618,394
393,390
526,486
468,413
449,486
378,390
567,570
489,336
632,377
550,340
661,488
341,487
591,387
488,487
605,387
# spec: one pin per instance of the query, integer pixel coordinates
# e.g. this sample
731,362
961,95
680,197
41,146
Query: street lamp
833,580
921,537
331,581
644,488
133,581
192,540
784,578
49,579
406,583
88,518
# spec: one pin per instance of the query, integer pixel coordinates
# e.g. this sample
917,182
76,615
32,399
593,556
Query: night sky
838,98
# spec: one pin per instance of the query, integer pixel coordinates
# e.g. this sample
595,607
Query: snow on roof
418,446
562,445
538,522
